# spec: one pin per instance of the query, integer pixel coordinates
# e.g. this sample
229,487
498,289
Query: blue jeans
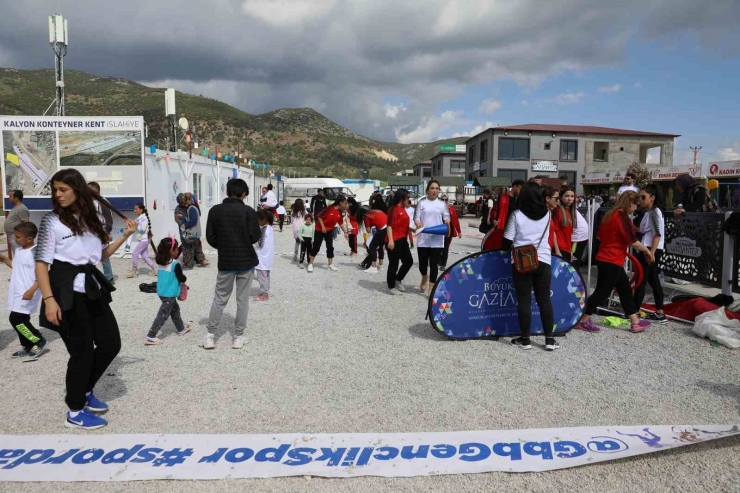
107,269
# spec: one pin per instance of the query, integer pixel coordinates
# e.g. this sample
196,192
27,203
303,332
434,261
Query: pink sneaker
640,326
262,297
587,326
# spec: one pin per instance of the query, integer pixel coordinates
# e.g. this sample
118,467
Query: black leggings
318,237
539,281
652,277
578,254
375,249
305,247
400,253
445,252
611,276
429,257
93,341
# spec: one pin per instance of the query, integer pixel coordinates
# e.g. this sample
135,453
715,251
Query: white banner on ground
148,457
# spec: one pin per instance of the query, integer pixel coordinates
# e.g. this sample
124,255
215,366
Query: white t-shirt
57,242
281,210
142,227
431,213
21,280
652,224
410,211
625,188
271,199
266,252
580,232
521,231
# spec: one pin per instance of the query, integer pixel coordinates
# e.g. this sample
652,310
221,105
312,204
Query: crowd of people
54,264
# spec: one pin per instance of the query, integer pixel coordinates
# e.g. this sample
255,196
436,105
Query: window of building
570,175
601,152
198,184
483,151
548,146
471,158
427,172
457,166
568,150
513,149
513,174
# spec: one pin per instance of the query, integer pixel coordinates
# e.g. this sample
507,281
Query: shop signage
451,148
543,165
595,178
724,168
671,172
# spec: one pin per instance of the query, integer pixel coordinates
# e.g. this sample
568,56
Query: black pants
305,247
652,277
611,276
375,248
566,256
28,335
429,257
93,341
578,254
524,284
281,220
401,253
352,243
445,252
318,238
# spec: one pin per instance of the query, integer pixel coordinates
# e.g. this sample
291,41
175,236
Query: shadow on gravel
10,337
375,283
726,390
425,331
111,386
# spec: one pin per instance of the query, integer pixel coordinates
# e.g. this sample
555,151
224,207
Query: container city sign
670,173
595,178
543,165
450,148
724,168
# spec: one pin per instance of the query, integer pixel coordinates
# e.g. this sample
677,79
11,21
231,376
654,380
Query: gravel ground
369,362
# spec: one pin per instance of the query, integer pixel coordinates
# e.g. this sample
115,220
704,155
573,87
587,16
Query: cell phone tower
59,40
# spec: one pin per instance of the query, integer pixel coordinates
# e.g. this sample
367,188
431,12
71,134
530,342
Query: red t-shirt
377,219
353,224
399,222
563,234
331,217
614,238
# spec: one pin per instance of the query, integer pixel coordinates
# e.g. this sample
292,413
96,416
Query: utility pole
59,40
696,152
169,111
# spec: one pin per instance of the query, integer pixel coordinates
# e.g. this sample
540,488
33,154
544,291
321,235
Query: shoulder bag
525,257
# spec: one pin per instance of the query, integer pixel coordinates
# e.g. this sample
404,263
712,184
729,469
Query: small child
281,214
306,233
24,294
169,286
354,230
142,219
266,254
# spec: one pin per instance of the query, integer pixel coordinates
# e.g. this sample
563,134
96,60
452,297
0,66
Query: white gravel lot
333,352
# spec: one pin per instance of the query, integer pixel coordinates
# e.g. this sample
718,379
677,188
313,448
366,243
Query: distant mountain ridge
300,139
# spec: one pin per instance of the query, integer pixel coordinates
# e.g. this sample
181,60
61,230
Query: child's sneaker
522,343
371,270
153,273
262,297
184,331
20,354
400,286
127,248
36,352
132,273
333,268
657,318
587,326
394,291
208,342
640,326
551,344
152,341
238,342
309,268
300,266
85,420
94,404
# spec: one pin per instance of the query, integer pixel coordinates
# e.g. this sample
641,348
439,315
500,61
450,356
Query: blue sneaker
85,420
95,404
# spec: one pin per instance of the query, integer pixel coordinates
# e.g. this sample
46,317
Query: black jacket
318,204
232,229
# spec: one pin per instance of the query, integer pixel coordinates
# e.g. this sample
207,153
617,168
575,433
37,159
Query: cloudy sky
416,71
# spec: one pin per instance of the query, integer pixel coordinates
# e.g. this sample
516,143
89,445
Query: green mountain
291,139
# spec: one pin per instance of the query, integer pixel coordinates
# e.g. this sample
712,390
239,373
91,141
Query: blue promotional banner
475,298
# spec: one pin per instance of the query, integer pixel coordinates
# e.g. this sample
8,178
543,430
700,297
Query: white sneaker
394,291
333,268
380,268
238,342
208,342
371,270
400,286
300,266
309,268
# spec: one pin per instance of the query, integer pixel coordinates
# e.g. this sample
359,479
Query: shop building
448,164
423,169
727,173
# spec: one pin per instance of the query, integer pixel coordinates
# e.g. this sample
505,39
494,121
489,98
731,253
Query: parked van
306,188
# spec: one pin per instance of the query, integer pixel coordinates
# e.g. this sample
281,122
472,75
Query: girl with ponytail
143,234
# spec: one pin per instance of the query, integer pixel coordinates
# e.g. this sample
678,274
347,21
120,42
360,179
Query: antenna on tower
59,40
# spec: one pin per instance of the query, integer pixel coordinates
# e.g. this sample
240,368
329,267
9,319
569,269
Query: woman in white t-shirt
580,239
652,228
430,211
530,225
75,294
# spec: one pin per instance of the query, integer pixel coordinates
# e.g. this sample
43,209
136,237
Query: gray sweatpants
263,276
224,286
168,308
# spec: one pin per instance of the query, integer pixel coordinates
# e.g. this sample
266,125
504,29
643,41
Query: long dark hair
82,216
378,203
166,245
564,219
149,234
399,197
531,201
653,190
298,209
